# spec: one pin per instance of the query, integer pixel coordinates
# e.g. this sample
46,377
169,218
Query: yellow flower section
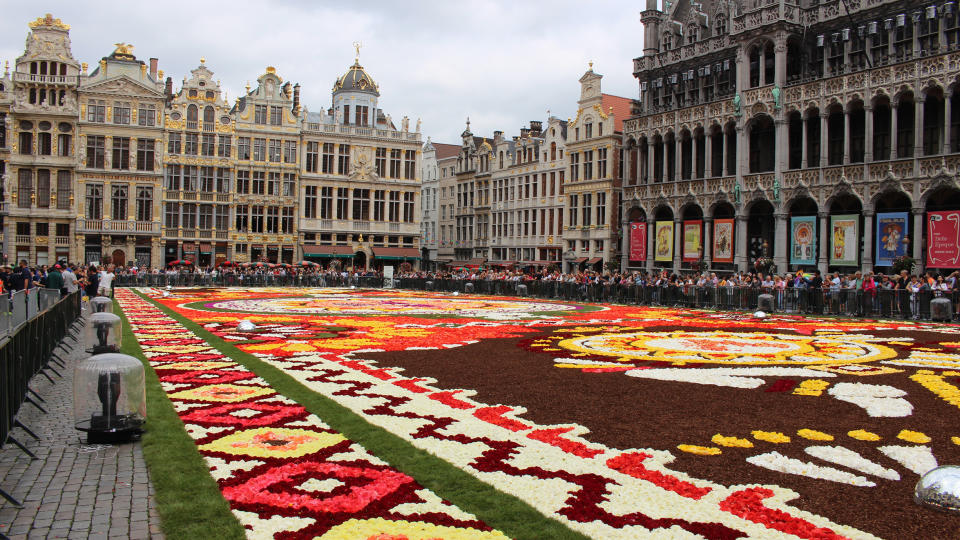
913,436
404,530
222,393
937,385
811,387
814,435
733,442
770,436
274,442
956,440
863,435
700,450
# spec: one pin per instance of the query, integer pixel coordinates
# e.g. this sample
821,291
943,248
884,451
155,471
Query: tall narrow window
94,202
43,188
343,160
144,203
118,202
145,154
313,156
95,151
64,190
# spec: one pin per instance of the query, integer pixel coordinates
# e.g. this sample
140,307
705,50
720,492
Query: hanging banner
723,240
845,240
638,241
803,240
692,234
664,237
943,239
892,229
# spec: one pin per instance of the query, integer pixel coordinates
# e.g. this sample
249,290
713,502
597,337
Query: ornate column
743,151
867,133
894,135
918,127
824,131
693,156
782,147
803,144
947,113
677,242
651,226
677,157
625,244
823,247
724,165
740,248
664,167
780,60
866,262
918,237
846,137
707,241
651,155
780,242
707,155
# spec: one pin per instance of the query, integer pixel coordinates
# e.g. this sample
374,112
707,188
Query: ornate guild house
802,134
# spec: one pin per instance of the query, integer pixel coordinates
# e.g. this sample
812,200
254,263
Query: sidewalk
74,490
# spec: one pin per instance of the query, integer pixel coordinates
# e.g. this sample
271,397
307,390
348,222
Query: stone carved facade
818,114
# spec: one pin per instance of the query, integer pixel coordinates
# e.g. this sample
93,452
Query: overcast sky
502,63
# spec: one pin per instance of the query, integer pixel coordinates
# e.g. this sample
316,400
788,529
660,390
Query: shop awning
327,252
595,260
580,260
464,264
503,263
395,253
206,248
189,247
477,261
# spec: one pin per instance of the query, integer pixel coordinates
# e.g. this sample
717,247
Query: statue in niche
736,105
776,97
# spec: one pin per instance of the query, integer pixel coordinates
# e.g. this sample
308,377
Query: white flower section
731,377
221,470
200,432
918,459
853,460
431,503
879,400
268,528
775,461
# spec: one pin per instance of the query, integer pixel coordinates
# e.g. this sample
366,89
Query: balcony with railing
44,79
125,226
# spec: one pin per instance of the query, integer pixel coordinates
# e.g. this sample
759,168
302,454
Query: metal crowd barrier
885,303
27,351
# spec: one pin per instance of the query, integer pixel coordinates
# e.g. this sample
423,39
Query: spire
356,46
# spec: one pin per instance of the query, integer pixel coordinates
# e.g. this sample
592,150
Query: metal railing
885,303
27,351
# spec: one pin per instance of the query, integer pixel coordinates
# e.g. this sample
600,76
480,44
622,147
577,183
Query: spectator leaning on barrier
54,279
22,278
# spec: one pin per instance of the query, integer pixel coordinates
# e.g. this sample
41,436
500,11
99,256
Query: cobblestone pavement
74,490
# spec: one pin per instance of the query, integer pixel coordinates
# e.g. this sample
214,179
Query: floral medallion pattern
623,421
285,473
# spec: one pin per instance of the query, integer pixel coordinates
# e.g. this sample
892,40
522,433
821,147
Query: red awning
396,253
189,246
327,250
595,260
580,260
205,247
477,261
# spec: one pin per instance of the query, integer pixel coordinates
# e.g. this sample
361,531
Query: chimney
524,132
497,135
536,127
153,68
168,89
296,97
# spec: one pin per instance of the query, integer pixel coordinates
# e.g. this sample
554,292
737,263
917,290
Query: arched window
762,144
553,151
192,113
754,66
208,114
667,41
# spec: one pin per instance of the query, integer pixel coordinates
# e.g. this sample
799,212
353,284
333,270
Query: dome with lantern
356,79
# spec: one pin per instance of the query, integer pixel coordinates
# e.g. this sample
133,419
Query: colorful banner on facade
664,245
692,235
943,239
845,240
723,240
638,241
892,229
803,240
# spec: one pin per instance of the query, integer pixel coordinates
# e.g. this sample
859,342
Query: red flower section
748,504
270,414
632,464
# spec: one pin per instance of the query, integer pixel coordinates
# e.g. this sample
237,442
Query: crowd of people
65,277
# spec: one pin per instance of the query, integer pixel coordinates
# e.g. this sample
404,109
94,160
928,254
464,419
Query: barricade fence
886,303
29,348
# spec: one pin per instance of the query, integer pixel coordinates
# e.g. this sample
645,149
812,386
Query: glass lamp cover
108,394
102,333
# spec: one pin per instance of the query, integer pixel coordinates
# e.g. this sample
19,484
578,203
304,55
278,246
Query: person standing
55,279
69,281
106,281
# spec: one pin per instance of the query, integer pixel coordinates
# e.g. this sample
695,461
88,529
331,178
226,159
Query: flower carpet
620,422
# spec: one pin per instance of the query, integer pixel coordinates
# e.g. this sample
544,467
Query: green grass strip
188,499
502,511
